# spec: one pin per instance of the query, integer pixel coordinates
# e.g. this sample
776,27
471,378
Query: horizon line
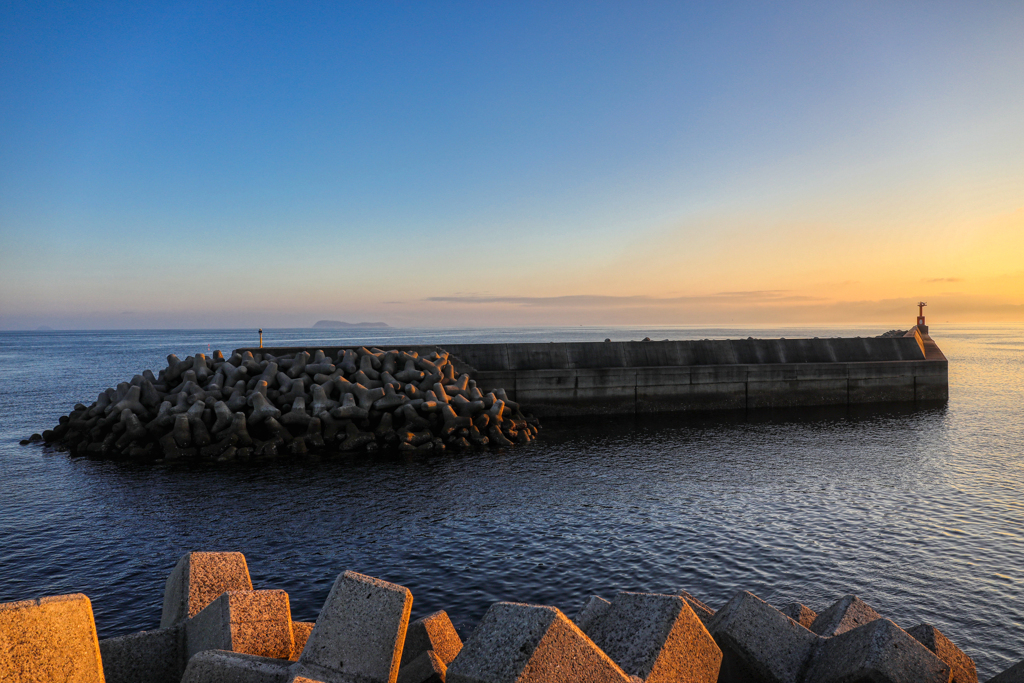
513,327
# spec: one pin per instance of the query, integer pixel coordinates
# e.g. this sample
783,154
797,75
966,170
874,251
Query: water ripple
920,512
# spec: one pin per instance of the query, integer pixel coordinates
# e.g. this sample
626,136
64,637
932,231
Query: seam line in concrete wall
847,387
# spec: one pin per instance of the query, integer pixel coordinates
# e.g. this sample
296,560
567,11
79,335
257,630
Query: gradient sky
240,164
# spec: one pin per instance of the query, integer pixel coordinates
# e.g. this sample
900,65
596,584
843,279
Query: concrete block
300,634
666,377
1015,674
150,656
517,643
218,666
759,643
959,663
880,652
590,355
797,392
482,357
434,632
698,395
660,354
250,622
933,385
198,579
657,638
881,389
360,632
801,614
845,614
702,611
595,608
51,639
426,668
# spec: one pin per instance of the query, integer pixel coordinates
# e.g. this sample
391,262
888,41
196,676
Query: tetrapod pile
256,404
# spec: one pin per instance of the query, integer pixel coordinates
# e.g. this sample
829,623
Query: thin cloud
590,300
944,279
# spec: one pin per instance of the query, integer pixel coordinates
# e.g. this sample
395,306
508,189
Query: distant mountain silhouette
339,323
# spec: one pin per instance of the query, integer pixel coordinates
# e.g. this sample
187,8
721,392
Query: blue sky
218,164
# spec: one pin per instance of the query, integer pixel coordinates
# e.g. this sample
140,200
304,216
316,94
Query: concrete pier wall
609,378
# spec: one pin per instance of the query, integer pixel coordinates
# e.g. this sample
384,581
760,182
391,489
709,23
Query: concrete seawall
616,378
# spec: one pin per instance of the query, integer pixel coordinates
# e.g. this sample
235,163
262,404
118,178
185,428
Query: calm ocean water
918,511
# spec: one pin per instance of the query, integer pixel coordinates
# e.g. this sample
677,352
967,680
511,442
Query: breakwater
216,627
609,378
260,404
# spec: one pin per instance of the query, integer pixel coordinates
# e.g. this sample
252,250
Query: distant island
334,324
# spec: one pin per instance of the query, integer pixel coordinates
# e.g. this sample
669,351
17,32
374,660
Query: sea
919,510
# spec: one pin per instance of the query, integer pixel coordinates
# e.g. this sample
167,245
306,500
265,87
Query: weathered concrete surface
704,612
959,662
591,612
435,633
759,643
426,668
516,643
360,632
250,622
198,579
845,614
300,634
49,640
218,666
880,652
150,656
801,614
1015,674
657,638
604,378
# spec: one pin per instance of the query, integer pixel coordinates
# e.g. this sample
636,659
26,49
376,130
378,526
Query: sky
230,165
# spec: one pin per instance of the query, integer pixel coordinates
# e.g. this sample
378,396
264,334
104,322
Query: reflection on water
917,510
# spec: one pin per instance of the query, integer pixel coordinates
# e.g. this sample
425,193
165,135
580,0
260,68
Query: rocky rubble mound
257,404
216,628
893,334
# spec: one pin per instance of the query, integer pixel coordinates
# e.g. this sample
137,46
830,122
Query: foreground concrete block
517,643
845,614
657,638
198,579
959,663
359,633
249,622
300,634
427,668
1015,674
801,614
49,639
759,643
880,652
150,656
435,633
218,666
704,612
595,608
